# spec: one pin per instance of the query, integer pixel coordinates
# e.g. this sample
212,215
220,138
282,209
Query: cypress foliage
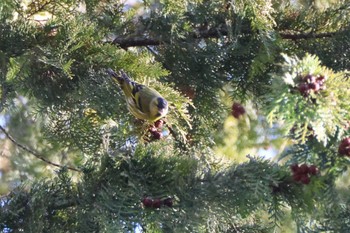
239,76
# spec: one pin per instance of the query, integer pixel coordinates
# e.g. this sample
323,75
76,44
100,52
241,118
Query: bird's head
159,108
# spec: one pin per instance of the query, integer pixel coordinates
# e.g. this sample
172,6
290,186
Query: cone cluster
303,172
311,83
156,130
237,110
344,147
157,203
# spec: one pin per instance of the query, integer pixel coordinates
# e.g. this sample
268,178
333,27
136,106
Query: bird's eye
162,103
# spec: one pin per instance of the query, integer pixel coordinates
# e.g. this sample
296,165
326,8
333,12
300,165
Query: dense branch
138,41
36,154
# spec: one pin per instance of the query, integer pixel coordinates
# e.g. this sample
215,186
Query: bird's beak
163,111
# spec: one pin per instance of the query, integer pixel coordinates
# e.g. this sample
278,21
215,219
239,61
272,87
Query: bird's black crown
162,103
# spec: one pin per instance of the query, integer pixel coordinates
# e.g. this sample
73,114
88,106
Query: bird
143,102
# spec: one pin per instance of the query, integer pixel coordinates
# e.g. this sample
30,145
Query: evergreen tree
244,80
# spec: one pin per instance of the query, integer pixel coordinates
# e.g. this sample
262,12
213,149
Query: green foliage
58,105
259,13
319,113
16,37
336,218
41,204
116,189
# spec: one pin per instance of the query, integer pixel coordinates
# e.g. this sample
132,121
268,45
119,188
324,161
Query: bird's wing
130,88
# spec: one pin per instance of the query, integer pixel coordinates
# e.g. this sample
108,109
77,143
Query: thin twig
2,197
36,154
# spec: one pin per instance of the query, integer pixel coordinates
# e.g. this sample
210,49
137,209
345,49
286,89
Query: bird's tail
121,77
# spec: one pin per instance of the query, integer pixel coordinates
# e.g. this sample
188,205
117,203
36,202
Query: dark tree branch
36,154
305,36
139,41
136,42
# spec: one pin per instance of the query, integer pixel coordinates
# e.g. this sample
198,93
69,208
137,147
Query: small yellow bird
143,102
